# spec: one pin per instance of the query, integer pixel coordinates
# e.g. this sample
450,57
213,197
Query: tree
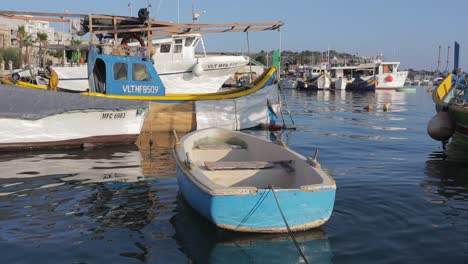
42,37
25,40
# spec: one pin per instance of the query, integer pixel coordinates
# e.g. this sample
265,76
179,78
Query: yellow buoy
386,107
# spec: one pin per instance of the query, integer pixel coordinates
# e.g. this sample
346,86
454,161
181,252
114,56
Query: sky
409,31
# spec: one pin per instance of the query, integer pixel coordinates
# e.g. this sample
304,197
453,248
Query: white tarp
72,77
240,113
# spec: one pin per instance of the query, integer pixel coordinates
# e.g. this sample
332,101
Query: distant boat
340,83
318,82
235,181
385,73
359,84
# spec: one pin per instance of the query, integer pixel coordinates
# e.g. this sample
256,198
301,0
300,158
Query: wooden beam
41,14
35,18
184,28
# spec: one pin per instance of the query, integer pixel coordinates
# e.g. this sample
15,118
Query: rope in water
290,233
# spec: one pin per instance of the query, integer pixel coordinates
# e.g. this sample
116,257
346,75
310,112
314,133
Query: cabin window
120,71
178,46
189,41
140,73
165,48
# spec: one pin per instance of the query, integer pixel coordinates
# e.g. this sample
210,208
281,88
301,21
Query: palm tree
42,37
21,34
25,40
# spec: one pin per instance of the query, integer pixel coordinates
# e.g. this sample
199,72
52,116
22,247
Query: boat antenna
130,7
157,9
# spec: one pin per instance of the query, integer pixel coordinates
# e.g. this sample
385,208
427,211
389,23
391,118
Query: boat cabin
178,47
120,73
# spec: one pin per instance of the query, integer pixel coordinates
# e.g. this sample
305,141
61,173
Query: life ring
124,41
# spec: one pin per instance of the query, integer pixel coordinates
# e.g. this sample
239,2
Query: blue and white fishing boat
123,86
243,183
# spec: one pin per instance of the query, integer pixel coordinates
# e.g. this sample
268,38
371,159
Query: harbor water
399,199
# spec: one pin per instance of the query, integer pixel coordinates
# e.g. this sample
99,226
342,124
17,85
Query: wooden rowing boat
240,182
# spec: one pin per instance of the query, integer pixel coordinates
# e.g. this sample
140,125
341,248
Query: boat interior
236,162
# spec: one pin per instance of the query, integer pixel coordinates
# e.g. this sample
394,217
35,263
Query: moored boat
451,100
235,181
122,84
176,63
359,84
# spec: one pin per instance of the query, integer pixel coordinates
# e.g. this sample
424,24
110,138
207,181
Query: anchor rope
290,233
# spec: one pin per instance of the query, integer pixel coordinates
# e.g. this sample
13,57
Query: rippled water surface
399,200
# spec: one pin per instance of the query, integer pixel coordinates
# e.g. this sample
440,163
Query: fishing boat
123,85
451,100
176,63
386,74
318,82
359,84
243,183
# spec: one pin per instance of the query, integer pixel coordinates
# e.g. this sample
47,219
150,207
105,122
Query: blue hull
366,88
259,212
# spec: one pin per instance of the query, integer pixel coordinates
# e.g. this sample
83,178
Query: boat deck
230,167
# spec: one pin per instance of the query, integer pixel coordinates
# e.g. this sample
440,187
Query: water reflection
446,182
97,201
202,242
456,148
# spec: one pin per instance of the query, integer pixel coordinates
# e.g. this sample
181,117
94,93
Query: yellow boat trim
31,85
444,87
231,94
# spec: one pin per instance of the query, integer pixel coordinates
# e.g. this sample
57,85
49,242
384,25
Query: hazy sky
409,31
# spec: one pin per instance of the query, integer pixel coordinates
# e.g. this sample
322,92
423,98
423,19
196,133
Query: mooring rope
290,233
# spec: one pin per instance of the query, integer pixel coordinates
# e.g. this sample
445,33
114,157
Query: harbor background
398,199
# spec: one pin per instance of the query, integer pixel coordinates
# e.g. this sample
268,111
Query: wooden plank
236,165
218,146
35,18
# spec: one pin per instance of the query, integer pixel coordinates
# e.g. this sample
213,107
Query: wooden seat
218,146
237,165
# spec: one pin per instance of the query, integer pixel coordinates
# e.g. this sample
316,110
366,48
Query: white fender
197,69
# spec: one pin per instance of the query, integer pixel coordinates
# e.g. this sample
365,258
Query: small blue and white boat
243,183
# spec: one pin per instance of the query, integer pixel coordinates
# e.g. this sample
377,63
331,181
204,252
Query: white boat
176,63
121,87
235,180
340,83
386,73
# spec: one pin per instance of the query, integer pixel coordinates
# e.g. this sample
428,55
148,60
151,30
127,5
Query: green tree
10,54
25,40
43,46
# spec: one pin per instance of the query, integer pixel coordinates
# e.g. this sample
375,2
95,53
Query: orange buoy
389,78
369,107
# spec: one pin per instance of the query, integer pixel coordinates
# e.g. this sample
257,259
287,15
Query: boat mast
438,60
448,59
